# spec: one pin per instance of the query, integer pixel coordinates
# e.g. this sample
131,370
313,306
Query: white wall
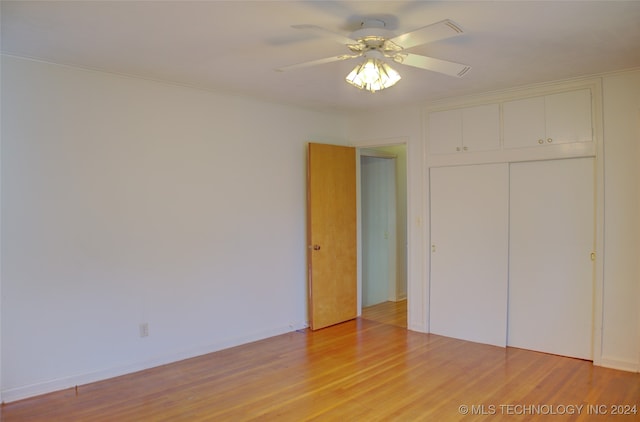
129,201
621,306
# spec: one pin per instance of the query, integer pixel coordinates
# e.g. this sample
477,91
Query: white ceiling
234,46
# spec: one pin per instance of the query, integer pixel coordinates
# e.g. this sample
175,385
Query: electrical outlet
144,329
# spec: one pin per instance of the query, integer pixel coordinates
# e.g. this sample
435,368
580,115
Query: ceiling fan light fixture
373,75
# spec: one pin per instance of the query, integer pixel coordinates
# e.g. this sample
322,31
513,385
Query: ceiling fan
376,43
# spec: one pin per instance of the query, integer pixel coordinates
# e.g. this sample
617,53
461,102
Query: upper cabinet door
481,128
466,129
568,117
445,131
523,122
547,120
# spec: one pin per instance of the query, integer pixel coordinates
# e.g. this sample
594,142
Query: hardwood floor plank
359,370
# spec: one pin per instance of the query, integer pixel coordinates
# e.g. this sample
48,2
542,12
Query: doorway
383,228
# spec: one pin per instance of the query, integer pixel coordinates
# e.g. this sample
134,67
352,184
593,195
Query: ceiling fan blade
317,62
434,32
435,65
323,32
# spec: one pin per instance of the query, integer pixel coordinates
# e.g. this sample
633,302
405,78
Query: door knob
316,247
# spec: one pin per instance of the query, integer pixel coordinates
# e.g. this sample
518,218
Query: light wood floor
393,313
361,370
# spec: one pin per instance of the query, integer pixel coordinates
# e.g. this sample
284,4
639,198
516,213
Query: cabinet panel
523,122
445,131
481,128
550,267
568,117
469,233
547,120
467,129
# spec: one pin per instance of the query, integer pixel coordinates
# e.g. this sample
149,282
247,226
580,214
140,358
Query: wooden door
550,267
331,234
469,252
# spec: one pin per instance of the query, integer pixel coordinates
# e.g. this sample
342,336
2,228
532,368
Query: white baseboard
417,327
620,364
49,386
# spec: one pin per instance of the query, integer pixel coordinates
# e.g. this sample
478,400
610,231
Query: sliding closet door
469,252
550,267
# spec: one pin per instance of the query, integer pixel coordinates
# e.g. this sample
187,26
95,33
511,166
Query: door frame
366,147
